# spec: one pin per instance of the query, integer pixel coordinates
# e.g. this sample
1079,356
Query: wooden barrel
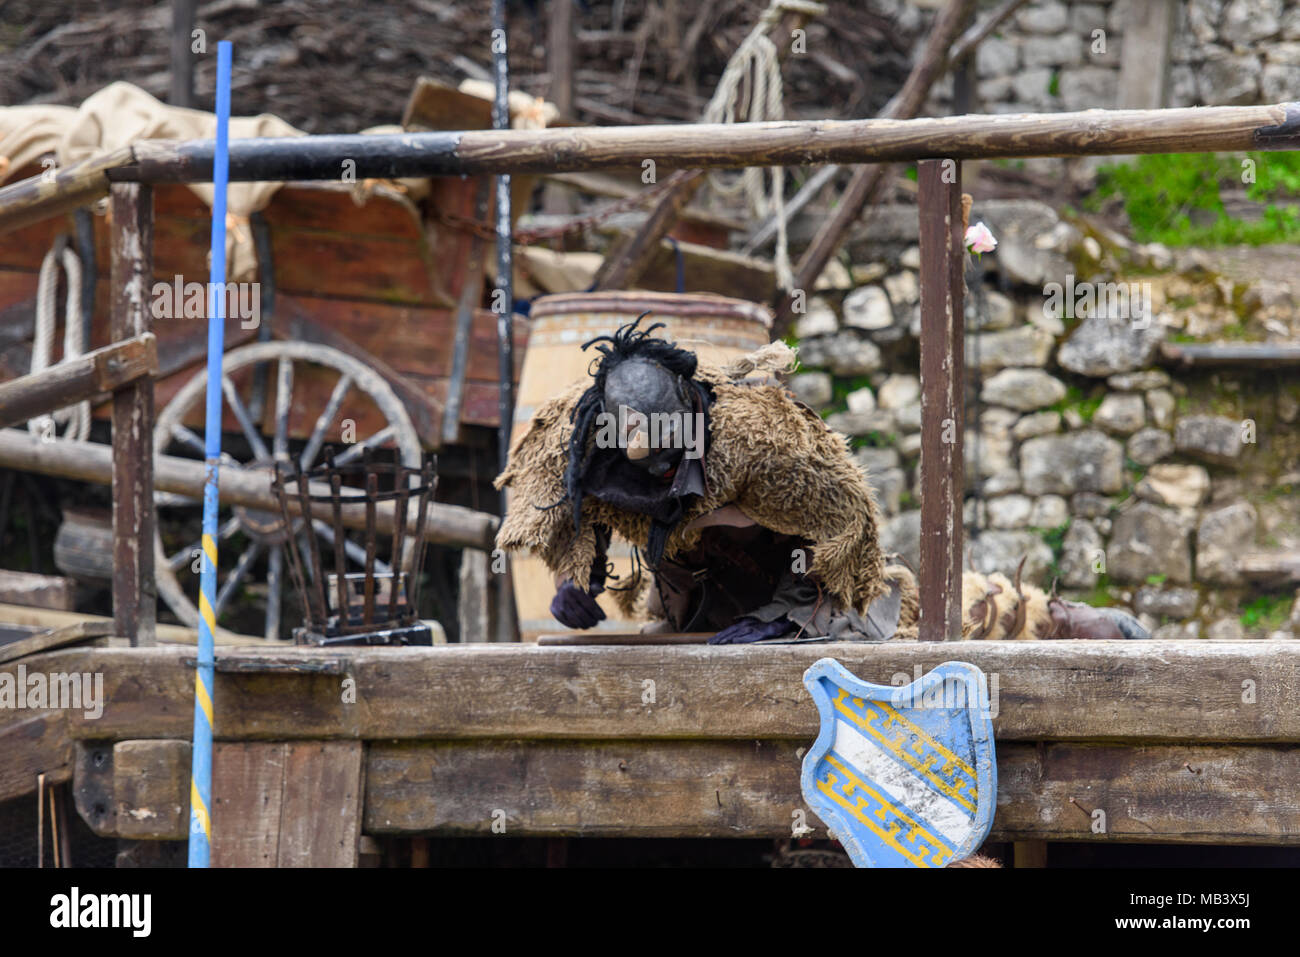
716,328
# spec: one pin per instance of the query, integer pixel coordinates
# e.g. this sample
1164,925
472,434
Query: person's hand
742,631
575,608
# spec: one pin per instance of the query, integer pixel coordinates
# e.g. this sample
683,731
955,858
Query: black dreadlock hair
629,342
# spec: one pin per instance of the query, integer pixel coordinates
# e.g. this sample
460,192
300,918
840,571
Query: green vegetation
1161,193
1099,595
1269,612
1157,579
1075,399
873,439
1055,540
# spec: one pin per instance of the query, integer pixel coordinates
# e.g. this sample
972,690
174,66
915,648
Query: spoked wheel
251,542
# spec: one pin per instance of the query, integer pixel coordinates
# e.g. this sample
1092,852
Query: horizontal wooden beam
750,789
78,378
685,146
33,742
1134,692
32,200
1226,794
725,146
1270,565
1262,355
90,462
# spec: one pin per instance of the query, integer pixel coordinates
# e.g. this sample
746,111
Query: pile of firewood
340,66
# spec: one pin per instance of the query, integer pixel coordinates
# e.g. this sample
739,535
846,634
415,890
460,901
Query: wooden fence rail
688,146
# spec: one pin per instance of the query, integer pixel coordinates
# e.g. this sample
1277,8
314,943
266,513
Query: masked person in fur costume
747,510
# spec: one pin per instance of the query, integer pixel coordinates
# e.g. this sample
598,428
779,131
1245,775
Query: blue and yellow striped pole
201,768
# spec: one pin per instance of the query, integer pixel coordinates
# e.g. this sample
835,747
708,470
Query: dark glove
744,630
575,608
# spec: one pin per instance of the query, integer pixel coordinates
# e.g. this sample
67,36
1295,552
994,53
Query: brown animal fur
909,610
768,454
1006,603
976,860
980,608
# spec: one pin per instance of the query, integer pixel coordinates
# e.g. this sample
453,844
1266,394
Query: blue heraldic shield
903,776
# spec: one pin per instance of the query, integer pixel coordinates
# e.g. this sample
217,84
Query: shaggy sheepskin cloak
768,454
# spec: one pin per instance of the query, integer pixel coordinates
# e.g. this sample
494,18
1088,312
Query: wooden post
942,419
1144,59
182,58
559,63
628,260
134,589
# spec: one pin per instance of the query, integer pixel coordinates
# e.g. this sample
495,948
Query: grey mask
651,405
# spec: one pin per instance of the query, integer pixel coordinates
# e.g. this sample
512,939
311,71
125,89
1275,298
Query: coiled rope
756,63
75,417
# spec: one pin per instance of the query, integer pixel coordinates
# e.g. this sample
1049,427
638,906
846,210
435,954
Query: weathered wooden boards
135,594
943,256
85,377
1258,355
37,591
792,143
783,143
274,804
286,804
91,462
1170,741
1228,692
1144,57
52,638
32,743
1234,795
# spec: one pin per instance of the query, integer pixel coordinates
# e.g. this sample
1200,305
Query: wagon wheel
260,538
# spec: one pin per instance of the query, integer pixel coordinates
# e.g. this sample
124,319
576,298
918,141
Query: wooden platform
1184,742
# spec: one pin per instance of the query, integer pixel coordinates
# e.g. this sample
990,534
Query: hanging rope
75,417
756,65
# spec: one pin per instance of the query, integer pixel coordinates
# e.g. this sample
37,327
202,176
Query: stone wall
1129,482
1049,56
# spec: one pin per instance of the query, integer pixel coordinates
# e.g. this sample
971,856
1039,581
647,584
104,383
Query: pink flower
980,240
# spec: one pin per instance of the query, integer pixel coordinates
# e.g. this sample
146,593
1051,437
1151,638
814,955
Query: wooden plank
1161,691
470,298
151,789
171,634
247,800
332,208
135,595
351,267
33,742
1144,56
279,804
320,819
1236,795
586,789
1230,795
1245,355
91,462
31,200
1270,565
182,57
112,368
40,591
942,398
71,634
296,323
434,105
